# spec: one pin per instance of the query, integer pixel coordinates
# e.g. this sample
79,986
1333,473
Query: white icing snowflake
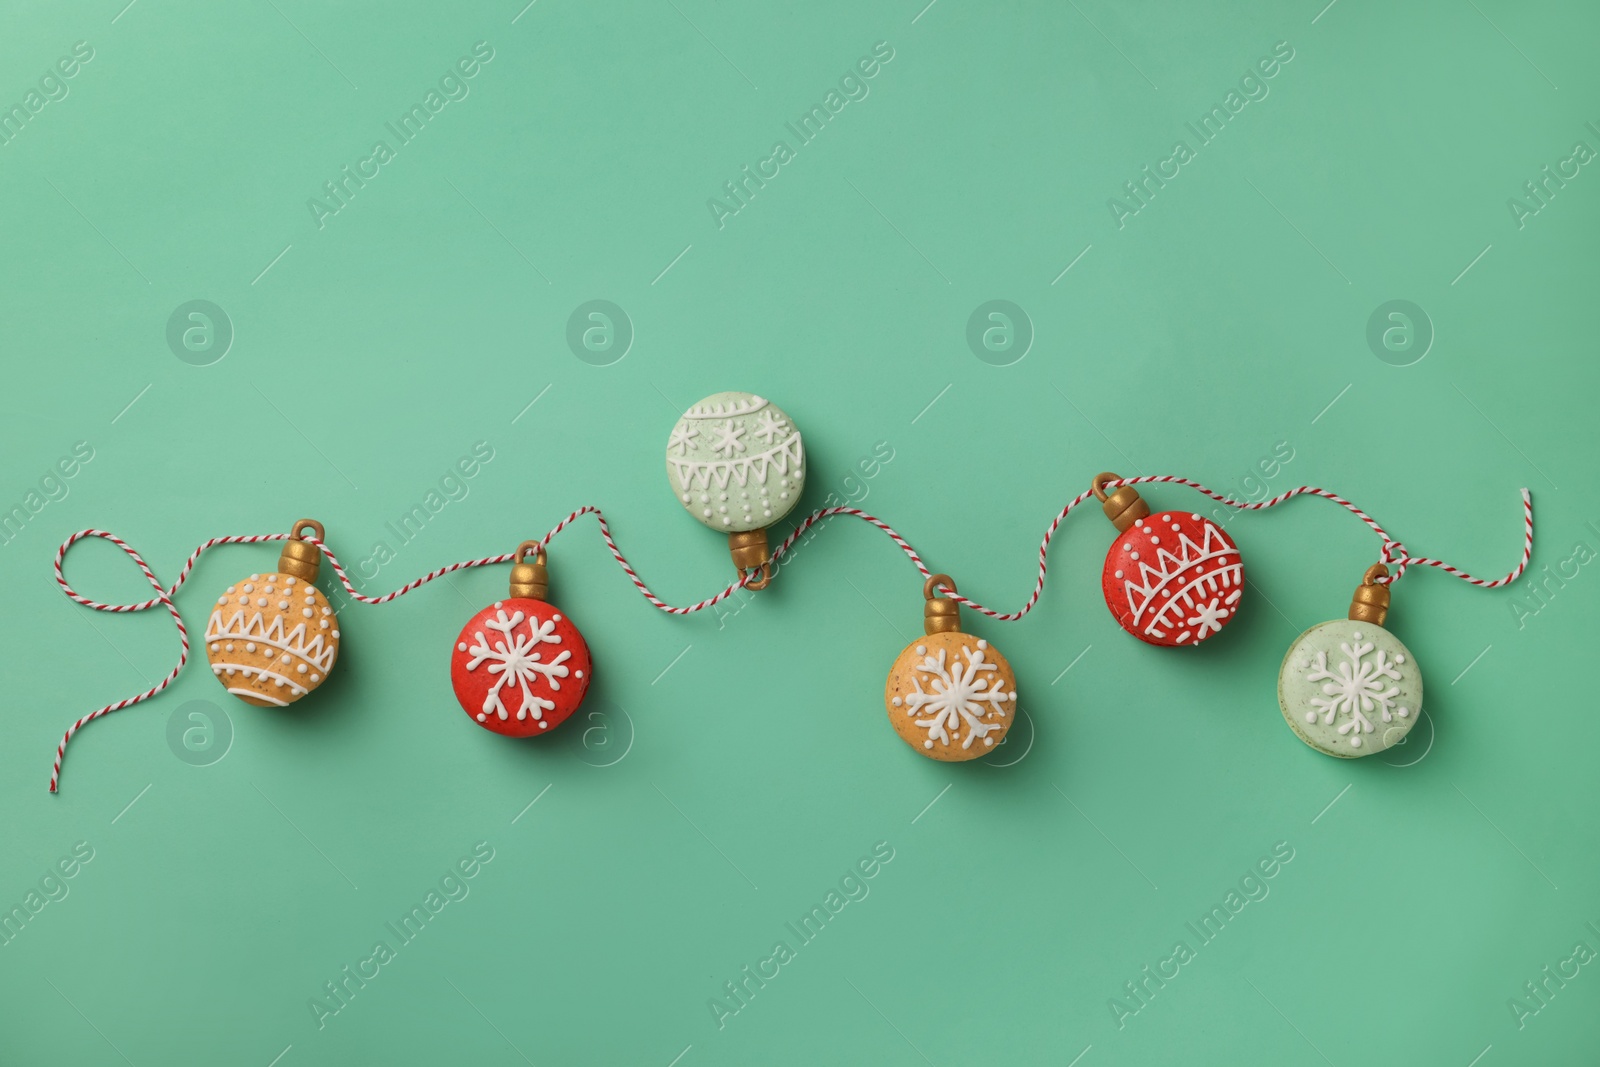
681,436
1208,618
514,659
957,695
728,439
770,427
1356,689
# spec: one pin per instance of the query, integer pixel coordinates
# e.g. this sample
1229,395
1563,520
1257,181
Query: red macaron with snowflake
520,667
1173,578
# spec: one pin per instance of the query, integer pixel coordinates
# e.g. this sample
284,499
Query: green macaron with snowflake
1349,687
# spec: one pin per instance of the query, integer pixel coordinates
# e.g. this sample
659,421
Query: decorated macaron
1349,687
272,638
737,463
1173,578
951,696
520,667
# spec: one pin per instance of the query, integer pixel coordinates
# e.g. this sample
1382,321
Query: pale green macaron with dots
1350,688
736,462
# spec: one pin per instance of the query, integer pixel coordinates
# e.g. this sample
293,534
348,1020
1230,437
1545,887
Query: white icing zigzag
779,458
314,651
1200,605
722,411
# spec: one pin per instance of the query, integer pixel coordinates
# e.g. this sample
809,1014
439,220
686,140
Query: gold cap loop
1125,507
1371,600
940,615
530,581
300,558
749,551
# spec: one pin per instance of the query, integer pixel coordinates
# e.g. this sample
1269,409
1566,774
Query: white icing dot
244,600
261,602
983,644
301,668
686,498
248,588
706,512
316,677
784,495
307,612
896,702
268,589
214,646
1154,540
222,600
1356,635
1404,712
555,618
481,716
230,672
329,611
336,635
987,741
577,674
1355,742
704,497
1195,516
246,673
927,744
250,646
324,624
1311,716
1176,528
1116,574
543,725
1013,697
461,646
289,580
286,657
283,605
231,588
1135,555
723,507
255,577
1399,659
230,646
921,649
497,603
727,520
722,496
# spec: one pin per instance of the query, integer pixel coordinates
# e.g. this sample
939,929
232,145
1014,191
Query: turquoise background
735,766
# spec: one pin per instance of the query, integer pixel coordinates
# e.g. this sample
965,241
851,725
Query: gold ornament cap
530,581
749,551
1371,600
938,614
1125,507
301,558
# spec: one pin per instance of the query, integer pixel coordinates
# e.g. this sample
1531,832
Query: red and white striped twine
1393,554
